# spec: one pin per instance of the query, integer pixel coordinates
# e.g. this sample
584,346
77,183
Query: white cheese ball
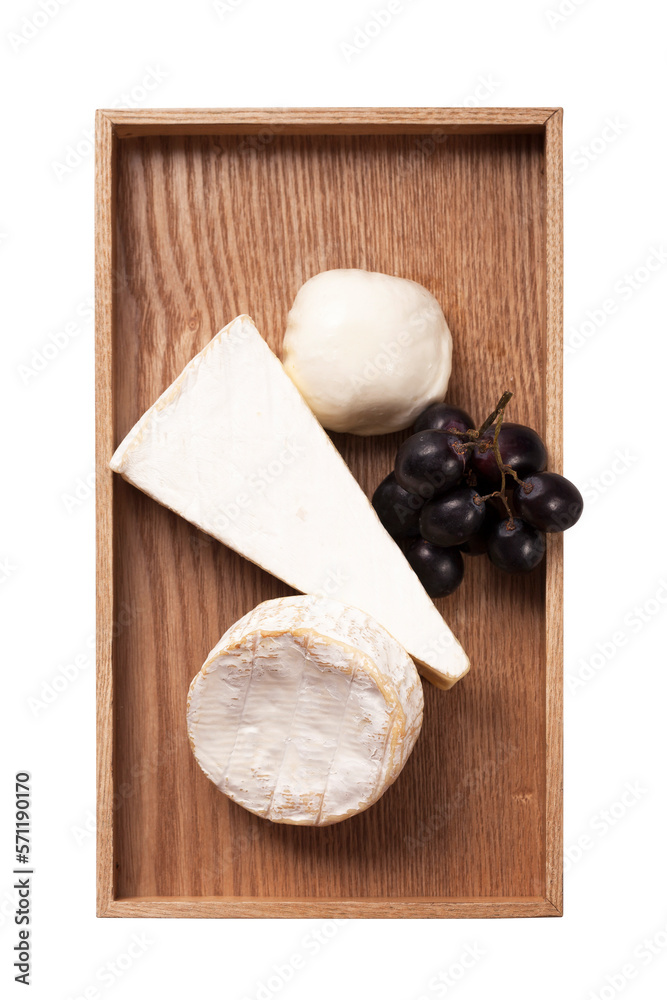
367,351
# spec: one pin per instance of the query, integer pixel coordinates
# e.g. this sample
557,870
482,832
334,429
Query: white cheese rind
305,712
232,447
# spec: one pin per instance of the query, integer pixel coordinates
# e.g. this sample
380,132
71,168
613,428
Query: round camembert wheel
305,712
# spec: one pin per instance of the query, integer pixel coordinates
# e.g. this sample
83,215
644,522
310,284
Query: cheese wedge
232,446
305,712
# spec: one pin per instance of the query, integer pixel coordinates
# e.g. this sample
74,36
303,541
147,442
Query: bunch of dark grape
456,489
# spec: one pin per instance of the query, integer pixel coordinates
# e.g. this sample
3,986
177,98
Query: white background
604,62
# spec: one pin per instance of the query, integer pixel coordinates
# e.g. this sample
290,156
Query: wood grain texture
105,205
182,906
325,121
553,404
210,225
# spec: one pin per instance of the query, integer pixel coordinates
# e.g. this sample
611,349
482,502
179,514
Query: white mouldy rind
305,712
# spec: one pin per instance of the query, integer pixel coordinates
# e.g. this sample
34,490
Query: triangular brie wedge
232,447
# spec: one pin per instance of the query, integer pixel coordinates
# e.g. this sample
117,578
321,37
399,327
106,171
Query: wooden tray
205,214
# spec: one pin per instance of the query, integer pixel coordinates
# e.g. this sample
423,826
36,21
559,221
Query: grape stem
473,441
498,412
473,435
497,415
501,493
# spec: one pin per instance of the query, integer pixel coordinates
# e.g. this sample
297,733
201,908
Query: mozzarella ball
367,351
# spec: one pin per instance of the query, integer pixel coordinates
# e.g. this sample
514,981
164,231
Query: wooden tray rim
115,124
323,121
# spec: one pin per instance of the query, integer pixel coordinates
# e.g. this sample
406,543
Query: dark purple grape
452,518
428,463
548,501
443,417
516,549
476,545
479,483
398,510
440,570
520,447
